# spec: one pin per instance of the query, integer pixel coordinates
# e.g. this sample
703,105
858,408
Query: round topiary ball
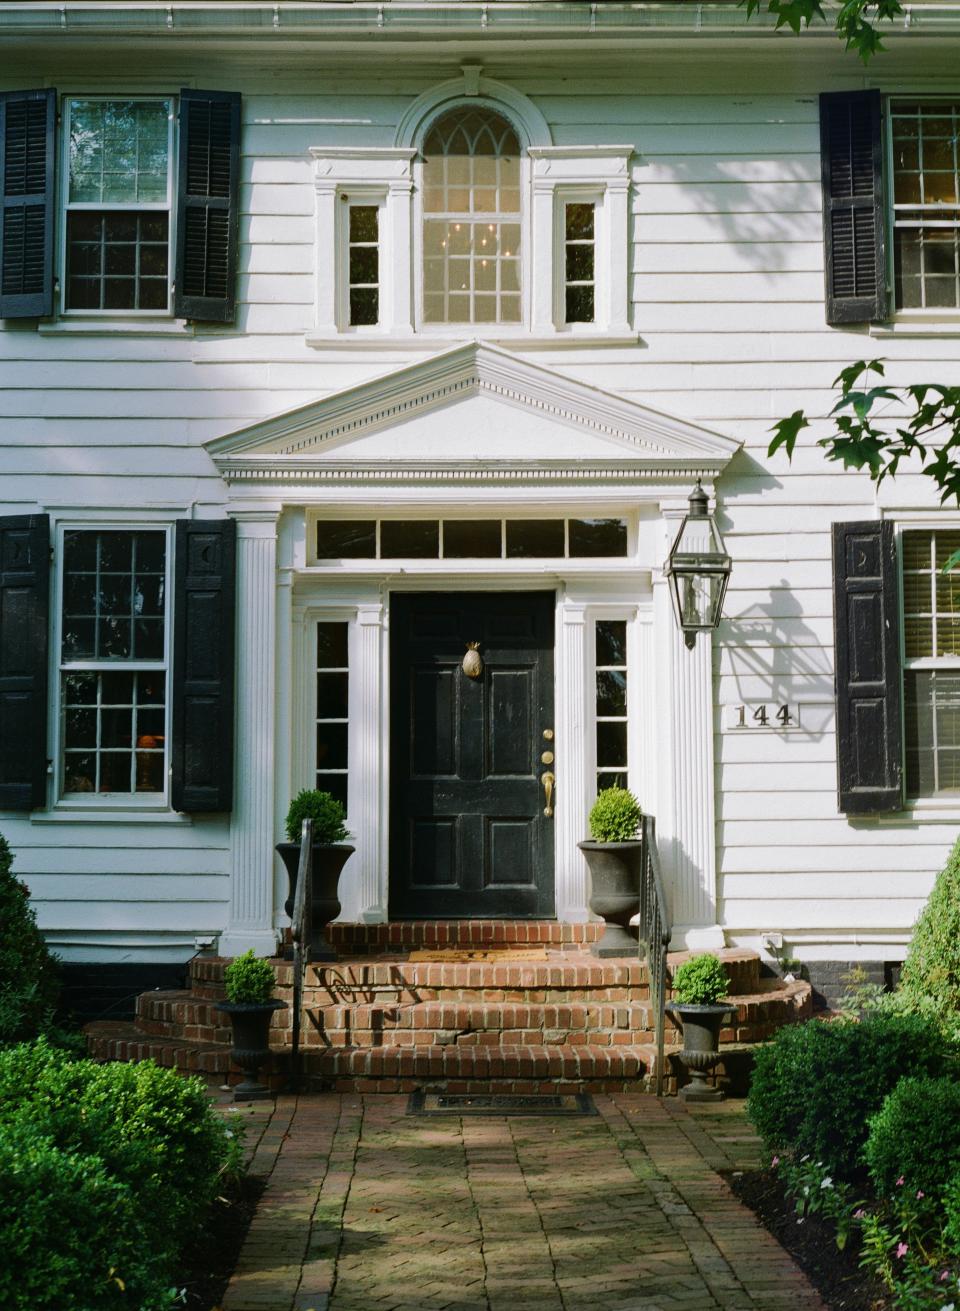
327,813
615,816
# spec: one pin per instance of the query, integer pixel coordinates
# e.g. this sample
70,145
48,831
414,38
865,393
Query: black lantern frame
698,569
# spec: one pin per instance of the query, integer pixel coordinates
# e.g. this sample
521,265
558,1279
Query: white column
328,254
686,828
368,807
252,826
617,205
542,241
570,748
397,249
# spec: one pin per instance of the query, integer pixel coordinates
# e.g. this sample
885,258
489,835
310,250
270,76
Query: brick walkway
367,1209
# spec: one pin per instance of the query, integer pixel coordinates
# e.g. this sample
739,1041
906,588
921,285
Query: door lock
546,758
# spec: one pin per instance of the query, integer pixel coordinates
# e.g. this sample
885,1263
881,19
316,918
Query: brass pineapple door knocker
472,663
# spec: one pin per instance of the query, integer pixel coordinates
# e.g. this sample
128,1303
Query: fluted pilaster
573,793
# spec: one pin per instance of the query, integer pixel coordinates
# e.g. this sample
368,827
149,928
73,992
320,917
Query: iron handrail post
301,931
655,933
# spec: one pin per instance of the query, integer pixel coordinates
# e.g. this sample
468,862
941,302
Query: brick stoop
378,1021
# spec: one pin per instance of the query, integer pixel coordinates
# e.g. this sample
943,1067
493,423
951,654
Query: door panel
468,836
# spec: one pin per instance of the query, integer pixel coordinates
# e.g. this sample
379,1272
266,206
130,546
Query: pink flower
920,1193
944,1276
901,1249
775,1162
859,1214
900,1182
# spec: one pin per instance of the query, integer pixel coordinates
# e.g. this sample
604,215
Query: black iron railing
655,932
301,932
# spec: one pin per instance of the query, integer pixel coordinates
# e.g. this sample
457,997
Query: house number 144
765,715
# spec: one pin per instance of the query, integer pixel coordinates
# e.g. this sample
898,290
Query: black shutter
203,656
207,188
27,151
851,161
866,612
24,601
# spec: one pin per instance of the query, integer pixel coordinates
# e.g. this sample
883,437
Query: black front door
468,835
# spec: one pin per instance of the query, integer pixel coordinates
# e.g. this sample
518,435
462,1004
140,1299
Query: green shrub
915,1138
327,813
932,967
951,1217
249,979
153,1131
615,816
28,977
814,1087
700,980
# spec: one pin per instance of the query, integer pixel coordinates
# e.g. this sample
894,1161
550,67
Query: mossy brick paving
369,1209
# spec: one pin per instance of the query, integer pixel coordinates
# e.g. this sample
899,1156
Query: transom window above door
469,539
471,219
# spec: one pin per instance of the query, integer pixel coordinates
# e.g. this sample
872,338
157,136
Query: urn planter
328,862
615,869
251,1043
701,1045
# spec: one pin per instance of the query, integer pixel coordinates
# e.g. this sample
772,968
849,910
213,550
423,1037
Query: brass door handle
548,781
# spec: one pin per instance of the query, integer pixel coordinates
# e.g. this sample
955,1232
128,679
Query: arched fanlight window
471,219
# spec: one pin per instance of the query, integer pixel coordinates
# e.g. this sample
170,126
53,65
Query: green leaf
786,432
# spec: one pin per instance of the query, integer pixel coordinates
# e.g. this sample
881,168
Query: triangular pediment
475,405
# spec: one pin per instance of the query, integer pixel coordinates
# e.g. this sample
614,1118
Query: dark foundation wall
109,992
830,978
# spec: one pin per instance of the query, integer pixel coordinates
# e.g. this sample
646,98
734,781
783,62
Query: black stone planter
701,1046
614,893
251,1043
328,863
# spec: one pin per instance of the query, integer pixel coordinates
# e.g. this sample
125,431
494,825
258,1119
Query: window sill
161,327
907,327
89,815
923,812
521,340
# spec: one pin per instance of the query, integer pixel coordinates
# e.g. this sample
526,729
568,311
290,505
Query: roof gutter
365,17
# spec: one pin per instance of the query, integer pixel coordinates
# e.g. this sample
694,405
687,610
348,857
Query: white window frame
563,197
109,801
361,197
897,313
66,206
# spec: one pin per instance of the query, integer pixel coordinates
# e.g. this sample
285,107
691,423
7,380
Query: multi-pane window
118,204
333,680
580,265
470,539
471,224
113,662
931,648
363,265
611,703
926,204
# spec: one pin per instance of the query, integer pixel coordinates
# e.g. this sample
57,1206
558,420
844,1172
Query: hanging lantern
698,568
472,664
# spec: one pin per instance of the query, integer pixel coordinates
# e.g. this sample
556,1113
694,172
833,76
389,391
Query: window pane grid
118,222
580,262
363,252
460,539
114,731
332,725
471,227
931,628
610,662
926,206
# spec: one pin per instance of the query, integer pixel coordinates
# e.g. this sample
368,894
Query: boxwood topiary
815,1085
327,813
931,971
249,979
29,984
700,981
615,816
915,1137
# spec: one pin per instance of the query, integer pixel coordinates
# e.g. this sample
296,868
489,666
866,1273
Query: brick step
414,935
430,1023
516,1068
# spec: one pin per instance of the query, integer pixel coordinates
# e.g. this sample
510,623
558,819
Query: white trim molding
473,87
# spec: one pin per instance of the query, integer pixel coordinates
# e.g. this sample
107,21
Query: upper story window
471,219
118,198
931,649
926,204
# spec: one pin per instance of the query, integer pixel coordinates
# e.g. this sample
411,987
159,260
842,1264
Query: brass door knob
546,758
548,782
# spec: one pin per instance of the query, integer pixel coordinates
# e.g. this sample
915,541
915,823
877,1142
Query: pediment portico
447,501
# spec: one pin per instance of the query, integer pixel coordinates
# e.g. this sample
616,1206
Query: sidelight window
333,686
611,703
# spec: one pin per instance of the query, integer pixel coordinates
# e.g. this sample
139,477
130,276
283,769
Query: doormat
430,1103
456,956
